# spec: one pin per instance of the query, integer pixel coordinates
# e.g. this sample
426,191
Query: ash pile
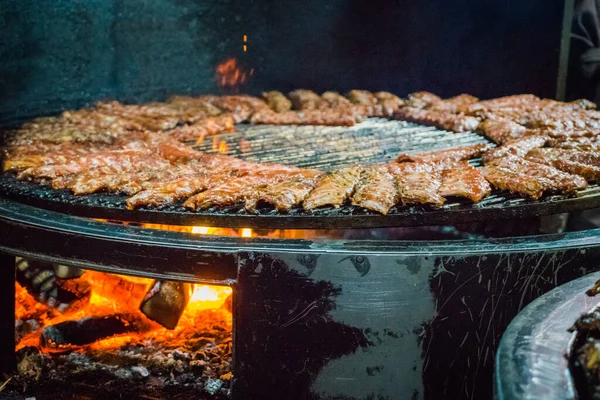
86,334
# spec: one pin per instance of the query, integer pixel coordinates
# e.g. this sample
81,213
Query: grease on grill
370,142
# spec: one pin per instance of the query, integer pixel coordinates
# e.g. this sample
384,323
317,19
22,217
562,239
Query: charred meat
376,190
334,189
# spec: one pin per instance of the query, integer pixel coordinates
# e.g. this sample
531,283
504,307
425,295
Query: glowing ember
222,147
231,75
118,294
207,297
246,232
201,230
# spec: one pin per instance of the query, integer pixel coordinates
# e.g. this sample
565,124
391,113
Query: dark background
67,53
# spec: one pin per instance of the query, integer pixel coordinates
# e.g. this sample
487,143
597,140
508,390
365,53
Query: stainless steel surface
531,362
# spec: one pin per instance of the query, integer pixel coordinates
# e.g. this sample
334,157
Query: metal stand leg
7,313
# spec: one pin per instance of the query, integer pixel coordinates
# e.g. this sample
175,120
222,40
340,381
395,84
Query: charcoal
213,385
29,363
139,371
165,302
88,330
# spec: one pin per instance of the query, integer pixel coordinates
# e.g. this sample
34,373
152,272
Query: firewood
40,280
67,272
90,329
166,301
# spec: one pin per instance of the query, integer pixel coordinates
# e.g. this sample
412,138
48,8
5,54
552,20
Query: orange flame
231,75
112,294
246,232
223,147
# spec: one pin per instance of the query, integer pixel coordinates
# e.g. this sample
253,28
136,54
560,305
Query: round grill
371,142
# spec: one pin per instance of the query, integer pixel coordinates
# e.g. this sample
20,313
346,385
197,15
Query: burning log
128,294
90,329
166,301
67,272
41,281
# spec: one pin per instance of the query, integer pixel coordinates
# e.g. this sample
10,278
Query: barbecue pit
329,311
337,303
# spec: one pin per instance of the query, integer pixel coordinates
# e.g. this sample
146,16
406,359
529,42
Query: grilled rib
109,177
334,99
501,102
78,165
454,104
285,195
518,148
577,143
529,178
584,163
418,183
177,189
204,127
237,190
422,100
389,102
277,101
501,130
455,154
334,188
376,190
464,180
584,104
195,106
239,107
440,119
363,97
306,100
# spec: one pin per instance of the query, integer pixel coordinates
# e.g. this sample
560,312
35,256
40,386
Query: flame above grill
230,74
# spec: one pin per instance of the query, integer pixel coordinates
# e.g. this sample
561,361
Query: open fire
76,329
230,74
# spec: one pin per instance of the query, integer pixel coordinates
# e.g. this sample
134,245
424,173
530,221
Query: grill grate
373,141
370,142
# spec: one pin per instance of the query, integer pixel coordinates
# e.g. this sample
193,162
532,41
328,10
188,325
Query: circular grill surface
370,142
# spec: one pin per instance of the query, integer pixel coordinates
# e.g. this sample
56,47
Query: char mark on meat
439,119
334,99
81,164
530,179
204,127
501,130
334,189
455,154
464,180
422,100
306,100
518,148
237,190
277,101
418,183
583,163
363,97
376,190
287,194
